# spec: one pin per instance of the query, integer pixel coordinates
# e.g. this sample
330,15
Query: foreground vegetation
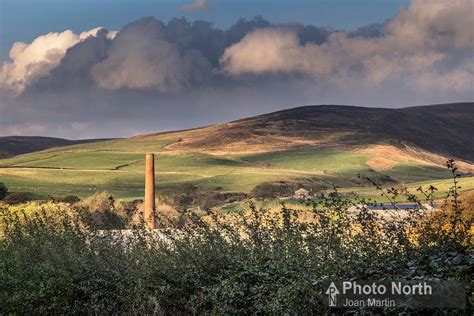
70,258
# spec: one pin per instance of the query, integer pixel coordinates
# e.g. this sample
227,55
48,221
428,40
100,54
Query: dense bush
270,190
273,190
70,199
100,212
128,209
17,198
188,196
250,262
3,191
207,200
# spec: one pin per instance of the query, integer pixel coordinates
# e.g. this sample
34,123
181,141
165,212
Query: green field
327,161
118,166
85,161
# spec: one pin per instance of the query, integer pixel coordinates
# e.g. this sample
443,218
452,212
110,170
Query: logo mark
332,292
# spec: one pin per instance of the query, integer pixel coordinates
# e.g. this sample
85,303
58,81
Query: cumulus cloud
196,5
435,23
148,55
274,50
140,57
415,48
31,61
143,78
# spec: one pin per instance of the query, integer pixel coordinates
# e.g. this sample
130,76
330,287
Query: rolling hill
17,145
315,146
444,129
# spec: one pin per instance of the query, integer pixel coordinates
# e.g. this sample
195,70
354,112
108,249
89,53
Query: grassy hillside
311,145
16,145
84,172
84,160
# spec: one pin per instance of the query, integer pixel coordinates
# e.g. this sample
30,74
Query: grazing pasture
84,169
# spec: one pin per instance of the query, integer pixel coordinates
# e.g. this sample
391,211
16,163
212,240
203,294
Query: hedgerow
54,259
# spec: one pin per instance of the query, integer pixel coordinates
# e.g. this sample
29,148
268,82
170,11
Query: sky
85,69
24,20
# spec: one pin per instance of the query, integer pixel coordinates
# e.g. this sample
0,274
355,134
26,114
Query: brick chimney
150,219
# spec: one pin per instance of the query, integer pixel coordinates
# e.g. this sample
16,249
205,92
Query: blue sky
23,20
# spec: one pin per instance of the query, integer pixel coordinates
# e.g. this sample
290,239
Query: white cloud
196,5
274,50
417,49
31,61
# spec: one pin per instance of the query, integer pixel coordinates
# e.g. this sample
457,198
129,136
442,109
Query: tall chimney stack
150,219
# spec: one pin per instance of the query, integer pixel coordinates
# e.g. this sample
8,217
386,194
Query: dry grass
384,157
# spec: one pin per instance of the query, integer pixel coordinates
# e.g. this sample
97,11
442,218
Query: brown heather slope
431,132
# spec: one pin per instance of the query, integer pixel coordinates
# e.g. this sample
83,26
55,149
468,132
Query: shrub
266,191
128,208
251,262
70,199
274,190
207,200
100,202
3,191
270,190
189,196
468,201
102,213
17,198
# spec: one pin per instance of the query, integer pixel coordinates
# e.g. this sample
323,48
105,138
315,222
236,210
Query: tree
70,199
3,191
17,198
